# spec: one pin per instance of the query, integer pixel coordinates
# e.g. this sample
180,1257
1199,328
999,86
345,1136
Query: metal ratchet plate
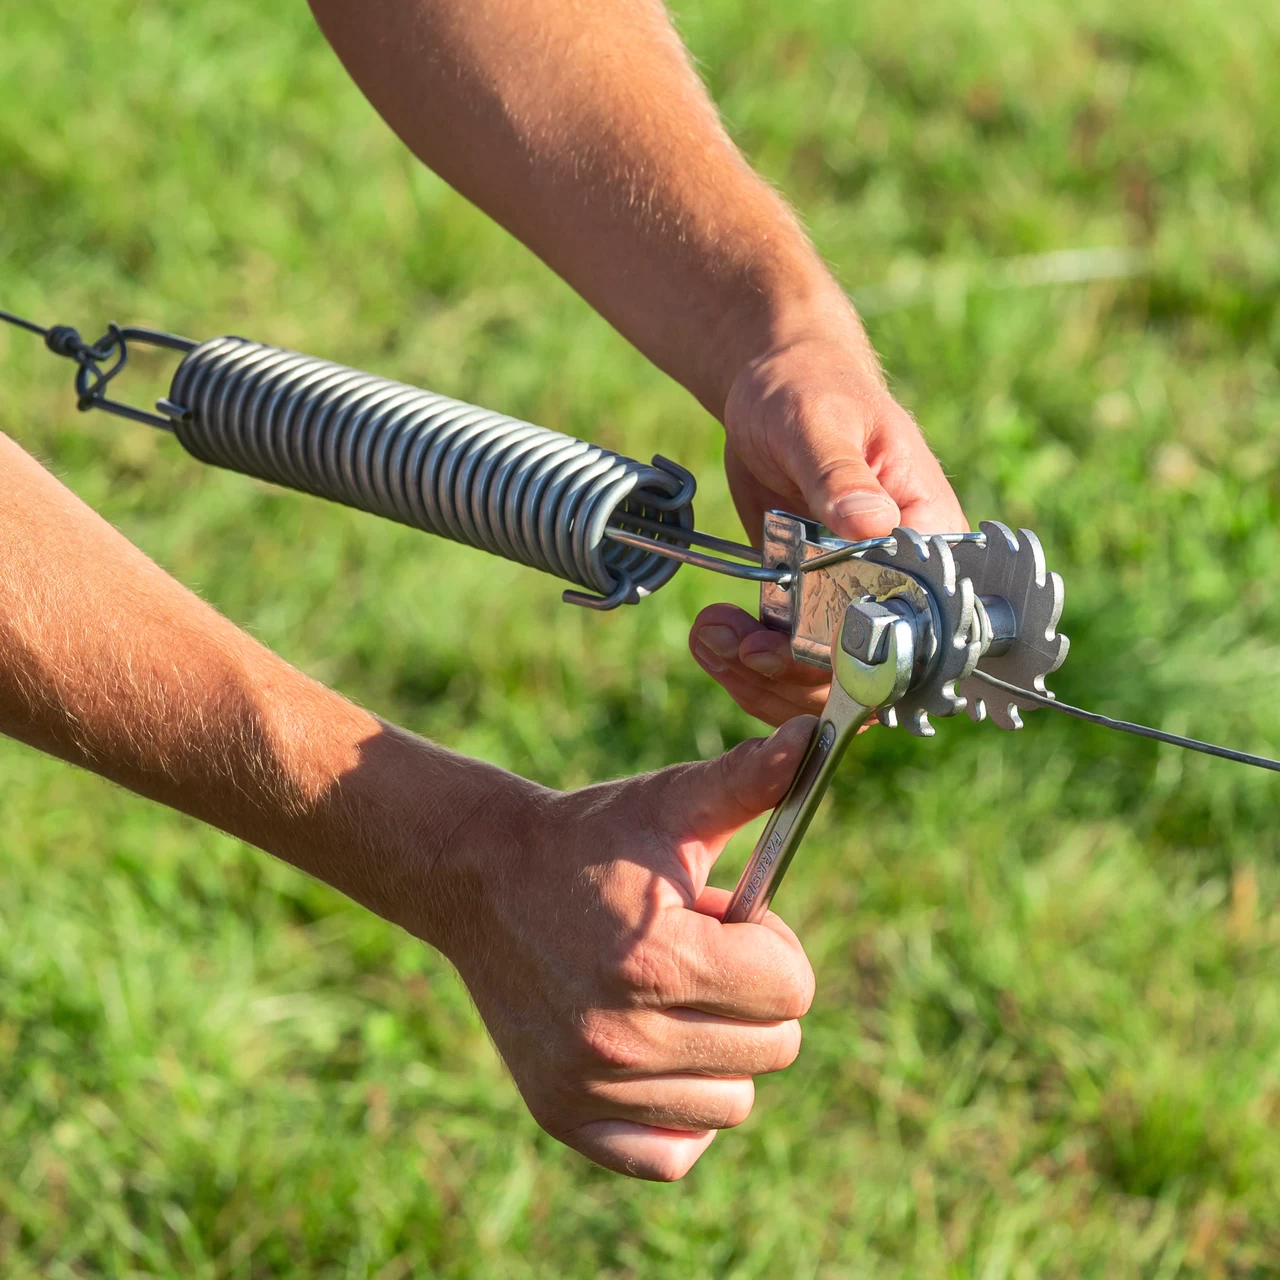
956,637
1013,568
812,605
918,570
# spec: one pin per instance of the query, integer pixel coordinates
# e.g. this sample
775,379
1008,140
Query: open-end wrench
871,659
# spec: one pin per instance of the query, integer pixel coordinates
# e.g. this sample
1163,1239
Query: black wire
1093,717
29,325
1127,726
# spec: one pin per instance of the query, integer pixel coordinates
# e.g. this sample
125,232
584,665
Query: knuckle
736,1105
646,971
593,1095
607,1042
635,969
796,989
787,1048
553,1111
778,982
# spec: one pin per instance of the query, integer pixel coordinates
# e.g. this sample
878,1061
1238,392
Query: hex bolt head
865,634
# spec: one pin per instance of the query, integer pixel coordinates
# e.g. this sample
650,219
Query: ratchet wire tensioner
909,626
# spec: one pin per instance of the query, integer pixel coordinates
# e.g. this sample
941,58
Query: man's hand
632,1020
811,428
615,169
754,665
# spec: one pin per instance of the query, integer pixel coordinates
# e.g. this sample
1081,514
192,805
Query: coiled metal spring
449,468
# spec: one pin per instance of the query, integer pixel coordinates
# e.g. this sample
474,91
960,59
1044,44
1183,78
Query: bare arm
581,126
632,1020
108,662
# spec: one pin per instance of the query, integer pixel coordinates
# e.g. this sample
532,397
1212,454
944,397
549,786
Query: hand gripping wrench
872,659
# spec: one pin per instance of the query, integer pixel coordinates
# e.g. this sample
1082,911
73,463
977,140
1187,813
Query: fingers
710,800
825,454
713,902
690,960
755,665
813,424
731,634
756,972
864,467
901,457
689,1104
640,1151
654,1085
632,1044
633,1021
851,502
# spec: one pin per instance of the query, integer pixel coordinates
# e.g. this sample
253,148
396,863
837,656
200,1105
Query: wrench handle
841,719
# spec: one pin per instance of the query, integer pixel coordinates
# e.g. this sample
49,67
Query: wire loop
90,357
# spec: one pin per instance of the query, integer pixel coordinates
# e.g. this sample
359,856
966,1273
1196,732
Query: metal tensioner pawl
902,626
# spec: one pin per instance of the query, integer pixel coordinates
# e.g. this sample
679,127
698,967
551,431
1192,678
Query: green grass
1047,1034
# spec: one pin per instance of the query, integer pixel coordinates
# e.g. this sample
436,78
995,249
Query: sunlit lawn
1047,1034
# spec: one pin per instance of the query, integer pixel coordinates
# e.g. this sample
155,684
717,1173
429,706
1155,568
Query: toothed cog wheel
1013,568
957,641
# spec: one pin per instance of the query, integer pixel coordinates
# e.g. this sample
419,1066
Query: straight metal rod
753,573
691,536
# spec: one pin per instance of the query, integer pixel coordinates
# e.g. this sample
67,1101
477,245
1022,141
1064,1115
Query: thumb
711,799
852,503
824,455
842,491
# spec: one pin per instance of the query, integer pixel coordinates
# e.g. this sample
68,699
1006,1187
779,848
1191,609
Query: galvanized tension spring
616,527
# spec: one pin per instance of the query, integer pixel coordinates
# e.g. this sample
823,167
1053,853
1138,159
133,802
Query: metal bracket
823,576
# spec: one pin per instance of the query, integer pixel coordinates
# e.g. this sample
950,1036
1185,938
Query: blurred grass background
1047,1035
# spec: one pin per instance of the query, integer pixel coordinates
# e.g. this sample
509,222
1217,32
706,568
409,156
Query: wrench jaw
955,638
902,626
878,683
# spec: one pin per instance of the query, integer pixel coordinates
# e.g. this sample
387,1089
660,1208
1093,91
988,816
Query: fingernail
722,641
859,504
707,658
766,664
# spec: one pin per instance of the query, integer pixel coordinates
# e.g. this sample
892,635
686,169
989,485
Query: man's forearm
581,126
631,1019
108,662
